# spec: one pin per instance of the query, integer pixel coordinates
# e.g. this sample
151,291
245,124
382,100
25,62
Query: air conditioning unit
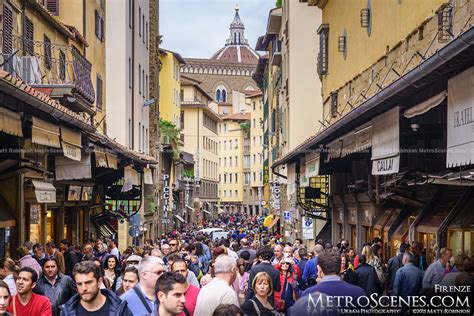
30,70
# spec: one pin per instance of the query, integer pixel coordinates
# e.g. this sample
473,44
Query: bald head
278,250
318,249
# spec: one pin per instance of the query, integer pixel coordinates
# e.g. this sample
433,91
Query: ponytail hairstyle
10,265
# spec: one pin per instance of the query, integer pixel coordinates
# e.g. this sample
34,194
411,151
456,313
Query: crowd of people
186,273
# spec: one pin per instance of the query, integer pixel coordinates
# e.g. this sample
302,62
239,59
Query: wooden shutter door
7,30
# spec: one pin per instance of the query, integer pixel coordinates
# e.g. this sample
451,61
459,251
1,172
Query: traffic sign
286,216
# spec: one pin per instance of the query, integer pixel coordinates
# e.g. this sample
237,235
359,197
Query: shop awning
100,158
268,220
386,143
460,120
426,105
71,143
45,192
147,176
44,133
274,222
363,137
67,169
111,160
10,122
179,218
131,175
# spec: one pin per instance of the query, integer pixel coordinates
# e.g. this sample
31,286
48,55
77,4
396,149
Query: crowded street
249,158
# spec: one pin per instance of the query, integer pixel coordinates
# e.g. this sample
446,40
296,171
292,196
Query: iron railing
45,64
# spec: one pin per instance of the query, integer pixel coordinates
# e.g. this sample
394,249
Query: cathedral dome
236,49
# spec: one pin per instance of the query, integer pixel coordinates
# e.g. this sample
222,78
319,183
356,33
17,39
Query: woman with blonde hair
5,297
373,260
259,304
9,271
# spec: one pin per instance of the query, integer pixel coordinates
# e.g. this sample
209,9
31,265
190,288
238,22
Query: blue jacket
117,306
407,281
310,270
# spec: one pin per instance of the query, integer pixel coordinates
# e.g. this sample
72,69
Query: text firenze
463,117
385,301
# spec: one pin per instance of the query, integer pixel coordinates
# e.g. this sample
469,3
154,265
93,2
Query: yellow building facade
231,164
200,130
170,86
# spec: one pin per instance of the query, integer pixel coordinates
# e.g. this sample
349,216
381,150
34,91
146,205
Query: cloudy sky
198,28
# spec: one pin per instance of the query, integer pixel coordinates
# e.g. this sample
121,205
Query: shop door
353,236
428,241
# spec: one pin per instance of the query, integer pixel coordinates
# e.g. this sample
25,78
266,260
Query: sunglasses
173,244
287,263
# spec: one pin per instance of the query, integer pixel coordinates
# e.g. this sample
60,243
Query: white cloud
198,28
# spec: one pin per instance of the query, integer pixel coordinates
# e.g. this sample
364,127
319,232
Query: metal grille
445,25
334,104
323,50
47,52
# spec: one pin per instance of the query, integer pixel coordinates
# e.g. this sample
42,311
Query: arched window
221,94
224,96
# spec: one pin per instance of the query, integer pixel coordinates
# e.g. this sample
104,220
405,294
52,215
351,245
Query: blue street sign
286,216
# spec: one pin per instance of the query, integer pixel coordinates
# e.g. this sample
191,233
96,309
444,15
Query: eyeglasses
158,273
173,244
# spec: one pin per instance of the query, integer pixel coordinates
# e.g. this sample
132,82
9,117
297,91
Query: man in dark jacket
408,278
59,288
70,257
329,267
90,299
394,264
367,277
265,255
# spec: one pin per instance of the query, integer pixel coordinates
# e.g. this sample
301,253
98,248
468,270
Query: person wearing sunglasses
286,296
142,298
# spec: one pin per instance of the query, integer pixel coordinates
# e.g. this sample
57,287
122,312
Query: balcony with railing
60,71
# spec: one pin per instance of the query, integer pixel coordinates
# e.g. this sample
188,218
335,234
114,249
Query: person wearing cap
133,260
286,296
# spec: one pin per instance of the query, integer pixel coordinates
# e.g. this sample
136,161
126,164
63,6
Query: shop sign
386,143
35,210
166,199
276,197
460,120
71,152
307,228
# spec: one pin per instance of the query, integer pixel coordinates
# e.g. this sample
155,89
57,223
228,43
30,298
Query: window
143,81
230,193
7,30
236,161
139,79
139,136
323,55
146,33
62,65
225,163
130,13
29,47
143,137
99,26
254,141
230,144
254,159
52,6
236,193
220,162
225,127
230,161
130,72
225,145
254,177
253,103
236,177
140,21
143,26
146,86
221,94
225,193
181,98
47,52
99,100
129,133
146,141
236,143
